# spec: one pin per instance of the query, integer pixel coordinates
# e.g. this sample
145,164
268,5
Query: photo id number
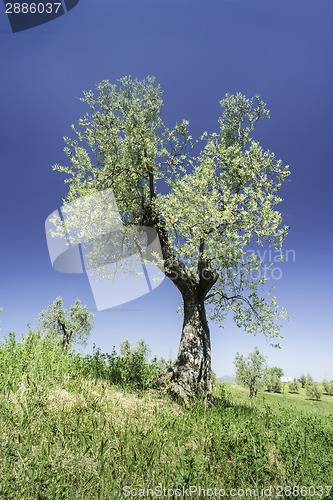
33,8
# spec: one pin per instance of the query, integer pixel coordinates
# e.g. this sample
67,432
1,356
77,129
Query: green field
300,401
68,433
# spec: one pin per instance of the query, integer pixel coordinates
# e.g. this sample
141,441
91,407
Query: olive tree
272,379
250,370
211,201
303,380
294,386
66,327
328,387
312,388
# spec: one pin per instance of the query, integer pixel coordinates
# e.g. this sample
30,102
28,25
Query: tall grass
68,431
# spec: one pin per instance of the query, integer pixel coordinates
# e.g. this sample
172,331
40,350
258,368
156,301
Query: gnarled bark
67,335
191,374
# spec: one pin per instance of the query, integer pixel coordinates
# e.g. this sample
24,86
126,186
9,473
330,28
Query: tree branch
238,297
174,268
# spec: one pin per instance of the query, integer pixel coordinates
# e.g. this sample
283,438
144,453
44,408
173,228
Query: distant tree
328,387
250,370
66,327
213,209
303,380
312,388
293,386
272,379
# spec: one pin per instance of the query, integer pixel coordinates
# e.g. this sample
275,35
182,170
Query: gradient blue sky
198,51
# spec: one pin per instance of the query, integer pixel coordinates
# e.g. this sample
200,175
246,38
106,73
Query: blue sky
198,51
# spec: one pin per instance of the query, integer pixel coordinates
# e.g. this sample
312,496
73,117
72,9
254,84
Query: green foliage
131,369
328,387
272,379
273,383
220,391
294,386
66,327
214,378
303,380
250,370
190,469
312,389
210,209
277,371
34,355
134,367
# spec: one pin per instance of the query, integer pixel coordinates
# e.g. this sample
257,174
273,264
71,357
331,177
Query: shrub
130,368
134,366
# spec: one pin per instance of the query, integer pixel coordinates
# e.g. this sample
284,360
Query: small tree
250,370
293,386
303,380
272,379
328,387
312,388
66,327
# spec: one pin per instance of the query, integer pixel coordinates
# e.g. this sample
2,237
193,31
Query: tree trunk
67,335
66,340
191,374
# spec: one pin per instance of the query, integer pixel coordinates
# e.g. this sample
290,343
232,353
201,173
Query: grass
65,435
300,401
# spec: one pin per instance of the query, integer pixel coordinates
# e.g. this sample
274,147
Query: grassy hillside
67,432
